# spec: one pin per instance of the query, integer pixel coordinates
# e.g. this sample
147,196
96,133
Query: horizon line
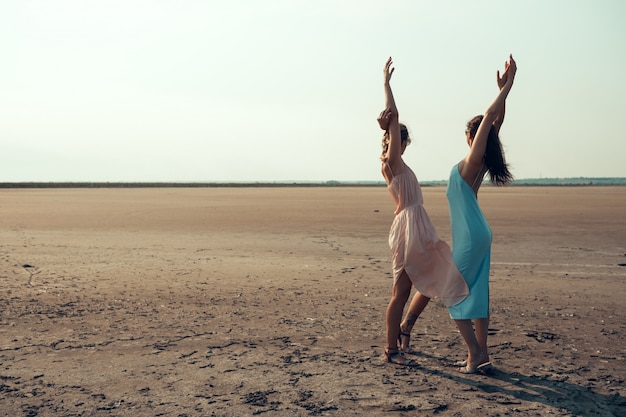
559,181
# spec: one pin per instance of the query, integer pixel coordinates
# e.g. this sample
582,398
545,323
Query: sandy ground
271,301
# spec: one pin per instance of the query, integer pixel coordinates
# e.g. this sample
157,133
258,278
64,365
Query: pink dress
416,247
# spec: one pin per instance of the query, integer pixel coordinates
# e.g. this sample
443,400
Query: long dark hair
497,166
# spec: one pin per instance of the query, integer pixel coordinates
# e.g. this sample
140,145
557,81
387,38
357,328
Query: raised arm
500,119
494,112
394,153
390,103
501,83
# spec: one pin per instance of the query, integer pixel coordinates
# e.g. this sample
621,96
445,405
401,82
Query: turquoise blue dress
471,247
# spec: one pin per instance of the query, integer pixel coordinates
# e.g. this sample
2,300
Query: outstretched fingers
511,63
388,69
510,67
501,80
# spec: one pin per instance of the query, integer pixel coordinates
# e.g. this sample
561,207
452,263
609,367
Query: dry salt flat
270,301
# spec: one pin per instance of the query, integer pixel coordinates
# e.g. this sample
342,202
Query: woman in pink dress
419,257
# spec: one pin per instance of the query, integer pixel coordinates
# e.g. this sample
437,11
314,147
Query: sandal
483,368
407,336
397,358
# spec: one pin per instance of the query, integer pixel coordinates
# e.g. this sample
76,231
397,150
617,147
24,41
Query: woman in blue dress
471,234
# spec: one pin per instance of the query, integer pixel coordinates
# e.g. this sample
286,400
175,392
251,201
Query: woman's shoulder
468,170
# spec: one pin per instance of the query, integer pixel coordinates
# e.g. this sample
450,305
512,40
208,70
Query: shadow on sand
506,387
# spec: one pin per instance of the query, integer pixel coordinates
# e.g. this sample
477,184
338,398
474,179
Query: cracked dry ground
188,303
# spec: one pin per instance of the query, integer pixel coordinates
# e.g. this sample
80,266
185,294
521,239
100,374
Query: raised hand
510,67
383,119
388,71
502,80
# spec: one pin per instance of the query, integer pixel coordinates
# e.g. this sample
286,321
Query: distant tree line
580,181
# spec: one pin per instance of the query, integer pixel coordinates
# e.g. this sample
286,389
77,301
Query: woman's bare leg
482,332
418,304
475,355
399,296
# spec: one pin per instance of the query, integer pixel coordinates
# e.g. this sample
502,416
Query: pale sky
289,90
